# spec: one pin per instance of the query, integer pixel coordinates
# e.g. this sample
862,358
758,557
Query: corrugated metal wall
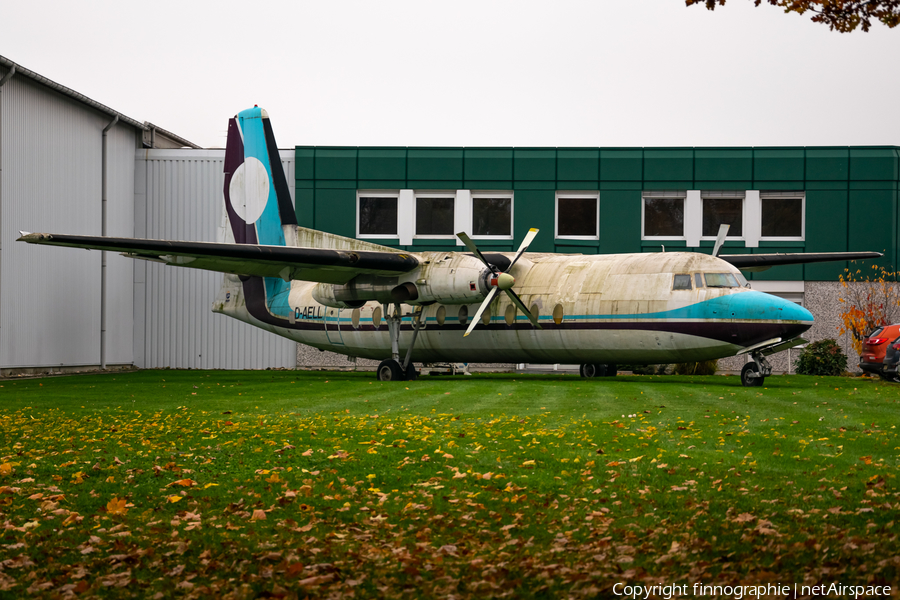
50,297
178,195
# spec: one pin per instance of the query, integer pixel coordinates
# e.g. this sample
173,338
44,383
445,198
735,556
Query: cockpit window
682,282
742,281
721,280
698,280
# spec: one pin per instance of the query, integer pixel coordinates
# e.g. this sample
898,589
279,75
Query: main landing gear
598,370
392,369
755,372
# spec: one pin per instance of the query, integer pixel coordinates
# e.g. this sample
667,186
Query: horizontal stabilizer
760,262
307,264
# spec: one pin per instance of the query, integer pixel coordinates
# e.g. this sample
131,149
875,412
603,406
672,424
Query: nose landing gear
755,372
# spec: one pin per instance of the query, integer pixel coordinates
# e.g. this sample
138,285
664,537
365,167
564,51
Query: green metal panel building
847,197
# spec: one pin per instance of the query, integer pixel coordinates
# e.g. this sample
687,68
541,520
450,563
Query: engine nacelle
448,278
362,289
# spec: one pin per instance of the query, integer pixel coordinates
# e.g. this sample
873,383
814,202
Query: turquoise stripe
745,306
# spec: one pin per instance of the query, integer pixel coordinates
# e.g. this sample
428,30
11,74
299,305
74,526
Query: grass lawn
294,484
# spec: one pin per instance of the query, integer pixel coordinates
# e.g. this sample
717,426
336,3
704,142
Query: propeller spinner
499,280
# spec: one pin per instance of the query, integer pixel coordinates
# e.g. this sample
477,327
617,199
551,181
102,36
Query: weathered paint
593,309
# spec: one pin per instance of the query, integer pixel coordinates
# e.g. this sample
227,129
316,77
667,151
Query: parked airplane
366,300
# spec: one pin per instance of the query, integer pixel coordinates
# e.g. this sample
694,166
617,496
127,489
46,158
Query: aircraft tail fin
259,207
257,196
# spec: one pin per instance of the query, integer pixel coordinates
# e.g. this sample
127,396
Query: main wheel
389,370
612,370
590,370
747,380
411,373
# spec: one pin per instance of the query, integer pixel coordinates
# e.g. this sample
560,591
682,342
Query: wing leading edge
761,262
322,265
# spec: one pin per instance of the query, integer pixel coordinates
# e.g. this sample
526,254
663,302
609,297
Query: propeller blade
473,248
484,305
720,239
529,237
521,306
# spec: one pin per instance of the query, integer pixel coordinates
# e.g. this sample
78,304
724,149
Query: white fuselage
592,309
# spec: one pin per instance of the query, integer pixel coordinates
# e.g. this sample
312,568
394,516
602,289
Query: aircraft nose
795,318
791,311
764,316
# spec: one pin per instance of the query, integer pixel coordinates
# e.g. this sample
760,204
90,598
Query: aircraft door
333,326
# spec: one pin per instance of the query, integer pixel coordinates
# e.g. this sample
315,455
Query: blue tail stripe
268,226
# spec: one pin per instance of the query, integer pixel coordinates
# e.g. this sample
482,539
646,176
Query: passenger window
682,282
698,280
721,280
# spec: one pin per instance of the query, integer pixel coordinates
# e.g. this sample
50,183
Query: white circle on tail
249,189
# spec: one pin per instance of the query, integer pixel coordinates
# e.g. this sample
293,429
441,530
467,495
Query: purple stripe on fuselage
728,332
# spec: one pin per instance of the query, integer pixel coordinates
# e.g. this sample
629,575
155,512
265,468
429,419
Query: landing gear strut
755,372
392,369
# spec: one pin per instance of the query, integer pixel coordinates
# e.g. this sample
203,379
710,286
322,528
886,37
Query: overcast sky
471,73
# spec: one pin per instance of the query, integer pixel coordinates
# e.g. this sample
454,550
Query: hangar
56,312
68,162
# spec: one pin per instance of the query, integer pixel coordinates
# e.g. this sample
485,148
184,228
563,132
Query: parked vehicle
875,347
891,361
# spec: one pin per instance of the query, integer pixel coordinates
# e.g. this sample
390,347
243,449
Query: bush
707,367
824,357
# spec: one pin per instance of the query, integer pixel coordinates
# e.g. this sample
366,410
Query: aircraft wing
306,264
761,262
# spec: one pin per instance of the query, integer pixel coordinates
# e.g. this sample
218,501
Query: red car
874,348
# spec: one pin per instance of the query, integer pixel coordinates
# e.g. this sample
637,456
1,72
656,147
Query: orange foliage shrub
870,299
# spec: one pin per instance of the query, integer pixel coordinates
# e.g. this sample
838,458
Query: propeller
499,280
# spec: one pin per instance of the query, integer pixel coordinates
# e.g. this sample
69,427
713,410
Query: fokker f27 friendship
366,300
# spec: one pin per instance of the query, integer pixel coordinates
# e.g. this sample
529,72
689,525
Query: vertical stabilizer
258,204
257,196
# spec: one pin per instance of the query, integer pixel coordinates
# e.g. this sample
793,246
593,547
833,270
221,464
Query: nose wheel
755,372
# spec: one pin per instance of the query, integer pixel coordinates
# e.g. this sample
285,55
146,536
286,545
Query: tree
870,300
843,15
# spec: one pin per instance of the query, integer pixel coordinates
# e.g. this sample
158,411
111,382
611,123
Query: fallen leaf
116,506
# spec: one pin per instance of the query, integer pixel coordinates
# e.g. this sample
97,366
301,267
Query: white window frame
433,194
726,195
776,195
667,194
575,195
475,195
378,194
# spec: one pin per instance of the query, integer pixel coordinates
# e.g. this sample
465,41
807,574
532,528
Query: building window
434,214
492,215
576,215
723,208
782,215
663,214
377,214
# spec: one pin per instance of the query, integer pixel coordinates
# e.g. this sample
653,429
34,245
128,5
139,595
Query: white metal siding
50,297
178,195
121,143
